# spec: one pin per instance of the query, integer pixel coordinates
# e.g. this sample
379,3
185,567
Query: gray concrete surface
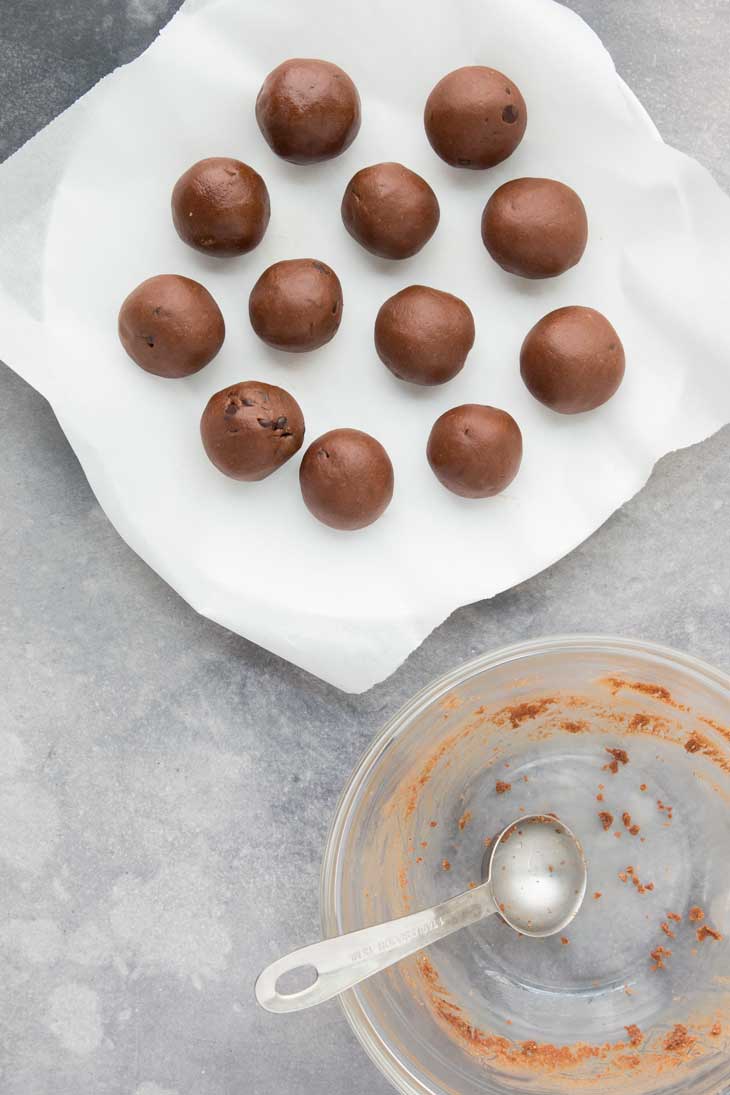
165,787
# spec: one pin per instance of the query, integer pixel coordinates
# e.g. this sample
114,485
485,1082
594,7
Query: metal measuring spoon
536,879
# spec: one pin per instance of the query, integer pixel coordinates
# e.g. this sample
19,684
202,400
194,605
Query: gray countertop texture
165,786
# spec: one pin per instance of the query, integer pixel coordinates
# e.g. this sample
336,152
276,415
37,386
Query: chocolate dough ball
536,228
171,326
475,451
390,210
308,110
424,335
296,305
347,479
221,207
251,429
572,360
475,117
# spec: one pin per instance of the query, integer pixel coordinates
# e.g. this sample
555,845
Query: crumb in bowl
659,955
635,1035
679,1039
619,756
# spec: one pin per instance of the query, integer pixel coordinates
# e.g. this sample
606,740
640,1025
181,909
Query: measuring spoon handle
342,962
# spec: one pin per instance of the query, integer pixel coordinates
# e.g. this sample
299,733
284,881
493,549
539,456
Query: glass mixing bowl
629,744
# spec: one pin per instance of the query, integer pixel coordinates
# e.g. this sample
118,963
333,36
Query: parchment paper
84,216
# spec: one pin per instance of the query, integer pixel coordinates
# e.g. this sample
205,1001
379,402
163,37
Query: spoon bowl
538,875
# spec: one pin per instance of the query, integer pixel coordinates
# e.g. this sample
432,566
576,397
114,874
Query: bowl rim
376,1048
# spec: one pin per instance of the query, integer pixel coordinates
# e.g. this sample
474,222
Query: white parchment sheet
84,217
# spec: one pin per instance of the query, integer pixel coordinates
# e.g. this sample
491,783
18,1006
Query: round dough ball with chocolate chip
308,110
389,210
475,117
251,429
221,207
171,326
424,335
296,305
536,228
474,450
347,479
572,360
